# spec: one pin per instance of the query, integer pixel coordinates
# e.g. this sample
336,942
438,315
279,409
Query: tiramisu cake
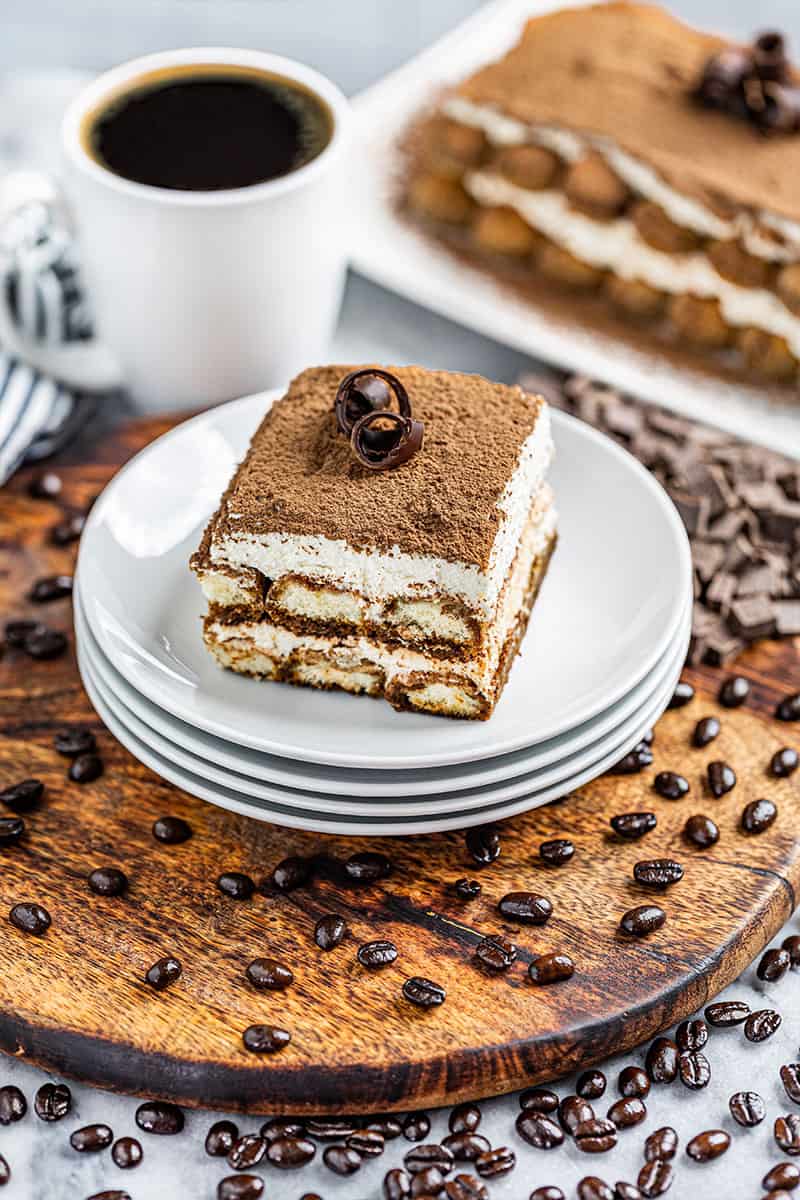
387,534
649,170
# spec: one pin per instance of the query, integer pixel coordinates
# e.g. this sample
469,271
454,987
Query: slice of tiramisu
387,533
647,169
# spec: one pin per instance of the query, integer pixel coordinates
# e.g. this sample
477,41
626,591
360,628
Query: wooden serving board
74,1000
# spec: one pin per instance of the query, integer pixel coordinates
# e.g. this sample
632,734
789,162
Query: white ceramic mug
202,296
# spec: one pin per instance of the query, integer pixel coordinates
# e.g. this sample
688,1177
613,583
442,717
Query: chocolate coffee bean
85,768
16,632
330,1129
644,919
747,1108
267,974
465,1118
126,1153
492,1164
396,1185
424,992
30,918
701,831
593,1188
429,1182
573,1111
381,953
483,844
694,1069
551,968
541,1100
159,1116
496,953
236,885
220,1139
591,1084
46,486
91,1139
758,815
634,824
291,873
341,1160
721,778
789,708
71,742
655,1178
367,867
682,695
773,965
526,908
661,1144
709,1144
265,1039
661,1060
108,881
761,1025
464,1187
596,1136
11,830
329,931
790,1078
734,691
658,872
13,1104
162,973
670,785
52,587
369,1143
287,1153
628,1111
277,1127
52,1102
24,796
428,1154
784,762
467,889
791,944
171,830
636,760
692,1035
416,1127
538,1130
240,1187
705,731
557,851
783,1176
68,530
466,1147
726,1013
247,1151
45,644
633,1081
787,1133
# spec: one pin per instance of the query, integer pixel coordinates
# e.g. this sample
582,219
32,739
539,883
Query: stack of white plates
603,653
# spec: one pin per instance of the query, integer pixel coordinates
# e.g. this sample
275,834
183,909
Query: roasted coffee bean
541,1100
596,1136
13,1104
773,965
329,931
30,918
367,867
711,1143
396,1185
171,830
661,1144
787,1133
633,1081
784,762
16,632
22,797
573,1111
494,1163
159,1116
467,889
45,486
427,1183
52,1102
11,830
683,693
694,1069
68,530
247,1151
701,831
705,731
423,992
790,1078
557,851
661,1061
721,778
658,872
747,1108
265,1039
369,1143
236,885
291,873
388,1125
636,760
126,1153
45,644
626,1191
496,953
428,1154
627,1112
220,1139
548,1192
789,708
286,1153
526,908
465,1118
163,972
330,1129
91,1138
465,1147
791,944
483,843
240,1187
416,1126
277,1127
634,824
655,1178
71,742
761,1025
592,1188
670,785
381,953
591,1084
734,691
644,919
267,974
538,1130
758,815
692,1035
108,881
551,968
784,1176
85,768
726,1013
52,587
465,1187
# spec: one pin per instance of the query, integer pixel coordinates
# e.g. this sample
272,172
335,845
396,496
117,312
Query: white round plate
349,781
354,805
609,607
374,825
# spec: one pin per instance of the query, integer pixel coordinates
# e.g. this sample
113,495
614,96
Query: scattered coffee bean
494,1163
789,708
761,1025
13,1105
661,1060
22,797
526,908
159,1116
277,1127
369,1143
758,815
423,992
11,830
396,1185
464,1187
655,1178
220,1138
108,881
551,968
670,785
466,1147
16,632
709,1144
46,486
467,889
52,1102
388,1125
661,1144
380,953
705,731
496,953
465,1118
596,1136
626,1191
773,965
557,851
367,867
734,691
265,1039
634,824
329,931
726,1013
247,1151
330,1129
52,587
287,1153
91,1138
784,762
85,768
636,760
591,1084
658,872
30,918
68,530
291,873
428,1154
126,1153
71,742
593,1188
268,974
628,1111
342,1160
694,1069
683,693
784,1176
171,830
483,843
692,1035
721,778
701,831
548,1192
792,945
787,1133
790,1078
45,644
163,972
416,1126
644,919
236,885
573,1111
427,1183
633,1081
538,1130
541,1100
240,1187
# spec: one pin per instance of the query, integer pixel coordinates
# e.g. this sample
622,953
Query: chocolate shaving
754,84
365,391
381,448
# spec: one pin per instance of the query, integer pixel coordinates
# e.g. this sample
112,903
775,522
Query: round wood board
74,1001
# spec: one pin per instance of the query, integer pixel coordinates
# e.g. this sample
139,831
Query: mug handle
80,366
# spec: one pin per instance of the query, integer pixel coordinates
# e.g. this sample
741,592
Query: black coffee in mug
205,128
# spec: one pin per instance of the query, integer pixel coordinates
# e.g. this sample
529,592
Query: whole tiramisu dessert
644,169
387,534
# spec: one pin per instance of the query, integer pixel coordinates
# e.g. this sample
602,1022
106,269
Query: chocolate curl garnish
769,57
382,448
723,77
754,84
368,390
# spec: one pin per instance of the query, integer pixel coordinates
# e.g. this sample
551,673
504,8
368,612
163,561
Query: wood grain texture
74,1000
